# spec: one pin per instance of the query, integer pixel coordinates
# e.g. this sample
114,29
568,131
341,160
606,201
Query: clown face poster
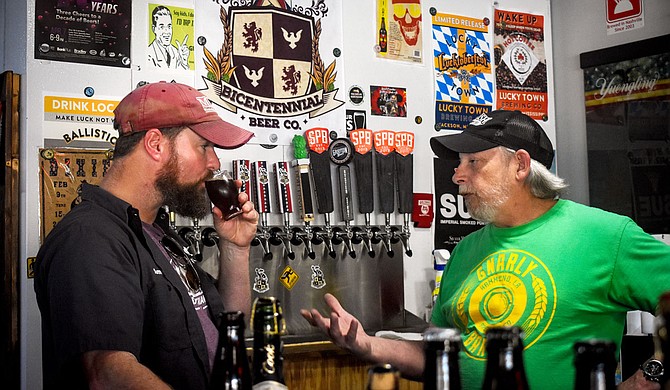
521,64
399,30
271,67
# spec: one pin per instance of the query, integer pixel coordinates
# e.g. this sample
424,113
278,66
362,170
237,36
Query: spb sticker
289,277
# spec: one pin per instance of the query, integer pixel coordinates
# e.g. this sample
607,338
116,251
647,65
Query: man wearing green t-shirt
561,271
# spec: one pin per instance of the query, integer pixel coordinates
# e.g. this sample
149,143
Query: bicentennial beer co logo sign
270,65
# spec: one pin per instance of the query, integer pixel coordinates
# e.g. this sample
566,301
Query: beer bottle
504,361
442,371
382,36
231,366
268,325
595,365
383,377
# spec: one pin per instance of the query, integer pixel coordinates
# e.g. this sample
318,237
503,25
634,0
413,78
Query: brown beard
188,200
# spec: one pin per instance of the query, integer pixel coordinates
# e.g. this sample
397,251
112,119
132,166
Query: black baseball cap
510,129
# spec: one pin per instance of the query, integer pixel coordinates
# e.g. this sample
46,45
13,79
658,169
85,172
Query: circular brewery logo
356,95
508,288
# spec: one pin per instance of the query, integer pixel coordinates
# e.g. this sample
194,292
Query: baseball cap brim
449,146
222,134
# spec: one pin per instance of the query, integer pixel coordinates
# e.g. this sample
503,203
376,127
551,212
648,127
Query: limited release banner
463,78
521,63
83,31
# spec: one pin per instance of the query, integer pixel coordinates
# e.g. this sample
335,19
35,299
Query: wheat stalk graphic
323,79
540,307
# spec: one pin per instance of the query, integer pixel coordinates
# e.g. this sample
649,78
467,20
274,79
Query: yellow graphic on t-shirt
508,288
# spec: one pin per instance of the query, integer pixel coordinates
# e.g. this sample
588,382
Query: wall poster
164,43
62,171
72,119
399,35
388,101
463,78
627,98
272,67
521,63
83,31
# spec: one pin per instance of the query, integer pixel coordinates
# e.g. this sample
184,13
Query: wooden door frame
9,104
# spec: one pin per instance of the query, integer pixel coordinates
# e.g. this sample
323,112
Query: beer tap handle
318,140
242,172
384,141
404,165
346,207
306,206
285,203
261,183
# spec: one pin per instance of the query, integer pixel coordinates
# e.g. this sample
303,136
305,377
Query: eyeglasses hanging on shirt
182,256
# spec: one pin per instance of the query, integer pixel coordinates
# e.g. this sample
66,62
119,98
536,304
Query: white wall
579,26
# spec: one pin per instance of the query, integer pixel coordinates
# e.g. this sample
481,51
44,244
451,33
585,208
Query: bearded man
123,304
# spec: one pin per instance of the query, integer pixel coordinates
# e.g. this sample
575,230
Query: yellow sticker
31,267
289,277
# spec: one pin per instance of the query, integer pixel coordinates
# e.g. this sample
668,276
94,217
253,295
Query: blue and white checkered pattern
447,87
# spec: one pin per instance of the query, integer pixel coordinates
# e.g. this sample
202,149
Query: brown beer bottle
268,360
442,370
504,360
382,37
231,366
595,365
383,377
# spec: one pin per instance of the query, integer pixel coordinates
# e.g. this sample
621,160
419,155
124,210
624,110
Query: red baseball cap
160,105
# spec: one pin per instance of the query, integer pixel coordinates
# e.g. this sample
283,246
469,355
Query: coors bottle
268,325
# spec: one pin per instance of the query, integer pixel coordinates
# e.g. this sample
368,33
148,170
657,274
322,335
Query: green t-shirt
570,275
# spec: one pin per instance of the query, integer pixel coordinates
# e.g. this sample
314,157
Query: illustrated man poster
170,37
399,34
521,63
270,66
83,31
463,77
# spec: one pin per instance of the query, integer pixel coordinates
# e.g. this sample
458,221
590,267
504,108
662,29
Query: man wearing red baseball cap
123,304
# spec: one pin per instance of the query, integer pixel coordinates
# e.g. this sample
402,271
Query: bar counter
312,362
